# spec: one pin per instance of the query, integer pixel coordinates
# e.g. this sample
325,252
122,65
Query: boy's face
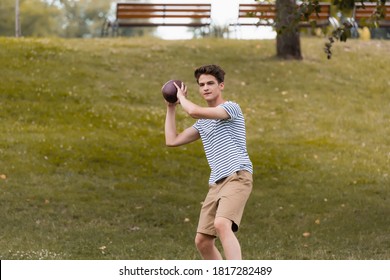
209,87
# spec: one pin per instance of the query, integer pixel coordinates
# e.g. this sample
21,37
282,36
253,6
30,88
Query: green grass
86,175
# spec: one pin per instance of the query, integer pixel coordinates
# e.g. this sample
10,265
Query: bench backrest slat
362,13
149,10
365,11
155,15
268,11
264,11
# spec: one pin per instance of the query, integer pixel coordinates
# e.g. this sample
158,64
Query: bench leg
115,28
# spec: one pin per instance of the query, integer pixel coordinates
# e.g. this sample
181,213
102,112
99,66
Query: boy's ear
221,85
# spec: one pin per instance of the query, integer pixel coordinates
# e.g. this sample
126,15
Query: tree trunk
288,44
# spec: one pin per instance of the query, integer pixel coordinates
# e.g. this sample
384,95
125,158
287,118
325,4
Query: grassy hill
85,174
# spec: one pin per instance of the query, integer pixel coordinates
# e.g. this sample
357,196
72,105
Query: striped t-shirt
224,142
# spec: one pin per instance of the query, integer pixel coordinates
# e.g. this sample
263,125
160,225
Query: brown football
169,90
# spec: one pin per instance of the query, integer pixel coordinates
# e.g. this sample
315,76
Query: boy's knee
222,225
203,242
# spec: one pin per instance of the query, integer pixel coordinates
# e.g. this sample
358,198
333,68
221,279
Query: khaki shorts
226,198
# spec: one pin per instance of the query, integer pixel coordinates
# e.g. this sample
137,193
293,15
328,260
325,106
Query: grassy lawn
85,174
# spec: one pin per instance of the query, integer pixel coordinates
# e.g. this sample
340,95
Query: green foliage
56,18
84,173
38,19
84,18
7,17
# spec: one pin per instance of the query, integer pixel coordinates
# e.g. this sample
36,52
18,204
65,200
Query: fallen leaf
306,234
134,228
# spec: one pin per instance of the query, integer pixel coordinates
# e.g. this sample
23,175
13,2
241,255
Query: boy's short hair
211,69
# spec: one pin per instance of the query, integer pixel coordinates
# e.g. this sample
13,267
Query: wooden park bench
197,15
364,14
264,14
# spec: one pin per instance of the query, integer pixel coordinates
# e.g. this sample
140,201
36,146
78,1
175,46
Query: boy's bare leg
206,247
230,244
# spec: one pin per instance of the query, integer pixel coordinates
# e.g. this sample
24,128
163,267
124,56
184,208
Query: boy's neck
215,103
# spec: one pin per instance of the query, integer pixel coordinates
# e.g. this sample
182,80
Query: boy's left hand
181,91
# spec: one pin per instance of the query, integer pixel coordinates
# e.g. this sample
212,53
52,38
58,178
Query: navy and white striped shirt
224,142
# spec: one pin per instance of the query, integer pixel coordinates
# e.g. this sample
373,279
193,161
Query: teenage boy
221,126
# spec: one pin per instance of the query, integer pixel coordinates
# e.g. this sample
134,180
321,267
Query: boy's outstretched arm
172,138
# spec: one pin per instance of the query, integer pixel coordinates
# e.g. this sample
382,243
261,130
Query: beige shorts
225,199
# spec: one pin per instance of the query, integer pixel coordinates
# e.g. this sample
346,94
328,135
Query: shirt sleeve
196,125
233,109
